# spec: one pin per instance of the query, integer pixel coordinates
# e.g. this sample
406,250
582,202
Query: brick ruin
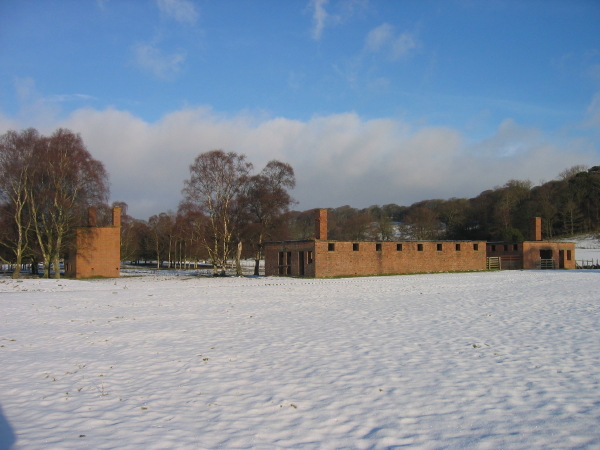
533,254
321,258
97,250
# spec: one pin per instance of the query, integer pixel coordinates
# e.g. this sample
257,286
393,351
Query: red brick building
97,251
533,254
321,257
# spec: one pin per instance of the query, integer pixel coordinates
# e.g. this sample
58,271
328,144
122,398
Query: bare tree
569,173
217,182
16,160
267,200
67,180
423,223
161,236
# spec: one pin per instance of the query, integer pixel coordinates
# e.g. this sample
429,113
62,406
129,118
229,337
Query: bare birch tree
66,181
217,182
267,200
16,159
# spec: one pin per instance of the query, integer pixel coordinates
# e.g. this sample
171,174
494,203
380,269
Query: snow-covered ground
587,248
475,360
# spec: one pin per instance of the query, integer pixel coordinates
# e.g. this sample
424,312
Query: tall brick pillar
116,216
536,229
321,224
92,214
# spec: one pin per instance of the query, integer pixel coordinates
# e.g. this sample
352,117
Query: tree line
226,214
568,205
208,225
47,184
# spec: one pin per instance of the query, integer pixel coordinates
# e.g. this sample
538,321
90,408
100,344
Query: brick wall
295,258
338,258
97,251
321,224
371,258
529,253
559,251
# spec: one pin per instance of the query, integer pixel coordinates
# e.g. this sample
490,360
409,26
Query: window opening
476,247
309,257
493,248
515,247
568,255
439,247
399,247
331,247
377,247
419,247
458,247
355,247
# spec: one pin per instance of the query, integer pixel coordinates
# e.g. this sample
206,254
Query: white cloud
319,17
403,44
181,10
384,39
343,10
152,59
379,36
338,159
33,107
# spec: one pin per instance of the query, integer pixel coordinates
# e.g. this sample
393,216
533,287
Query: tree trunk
256,267
56,264
17,271
34,267
238,264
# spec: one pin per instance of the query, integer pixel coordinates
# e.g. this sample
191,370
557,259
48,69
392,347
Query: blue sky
372,102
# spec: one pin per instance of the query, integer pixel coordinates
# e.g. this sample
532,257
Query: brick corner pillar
92,216
321,224
116,216
536,229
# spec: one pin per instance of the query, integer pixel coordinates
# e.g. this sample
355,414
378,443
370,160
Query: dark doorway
301,264
545,254
561,259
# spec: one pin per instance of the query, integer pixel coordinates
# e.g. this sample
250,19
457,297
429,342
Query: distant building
533,254
320,257
97,250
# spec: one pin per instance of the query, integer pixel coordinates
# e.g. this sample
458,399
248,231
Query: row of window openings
356,247
515,247
285,261
285,258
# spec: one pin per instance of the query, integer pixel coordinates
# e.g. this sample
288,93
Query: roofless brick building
97,251
320,257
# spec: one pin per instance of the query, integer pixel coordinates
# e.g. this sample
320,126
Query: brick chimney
536,229
321,224
116,216
92,214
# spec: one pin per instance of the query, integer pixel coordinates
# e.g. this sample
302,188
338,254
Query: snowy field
587,248
459,361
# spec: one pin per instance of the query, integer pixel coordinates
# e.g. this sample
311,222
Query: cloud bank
339,159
